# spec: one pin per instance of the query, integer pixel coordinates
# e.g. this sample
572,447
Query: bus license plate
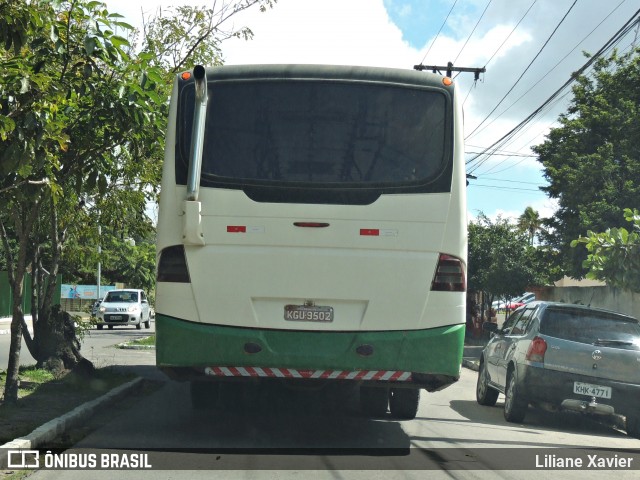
304,313
591,390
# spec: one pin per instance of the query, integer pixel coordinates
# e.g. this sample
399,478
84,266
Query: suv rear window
597,328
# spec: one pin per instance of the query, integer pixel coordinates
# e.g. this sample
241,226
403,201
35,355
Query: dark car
564,357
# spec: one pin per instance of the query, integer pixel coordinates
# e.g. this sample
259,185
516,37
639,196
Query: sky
529,49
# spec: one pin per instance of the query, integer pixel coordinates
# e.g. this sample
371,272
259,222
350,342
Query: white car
124,307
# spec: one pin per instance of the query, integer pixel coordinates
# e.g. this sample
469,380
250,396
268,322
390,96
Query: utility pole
450,69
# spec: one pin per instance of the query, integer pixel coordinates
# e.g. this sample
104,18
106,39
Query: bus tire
403,402
204,395
374,401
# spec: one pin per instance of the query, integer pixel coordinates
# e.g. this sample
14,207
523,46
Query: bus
312,231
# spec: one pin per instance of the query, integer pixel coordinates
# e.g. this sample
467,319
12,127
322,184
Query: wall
601,297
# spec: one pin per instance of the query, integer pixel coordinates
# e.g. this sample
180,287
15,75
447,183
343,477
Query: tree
592,161
82,118
497,258
74,109
614,255
530,222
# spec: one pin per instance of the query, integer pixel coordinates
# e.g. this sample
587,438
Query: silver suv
566,357
124,307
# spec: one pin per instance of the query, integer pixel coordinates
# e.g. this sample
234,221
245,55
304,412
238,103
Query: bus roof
325,72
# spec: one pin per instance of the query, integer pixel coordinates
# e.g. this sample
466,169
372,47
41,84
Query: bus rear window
319,133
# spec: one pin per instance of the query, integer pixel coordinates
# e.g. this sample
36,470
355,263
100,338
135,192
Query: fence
6,301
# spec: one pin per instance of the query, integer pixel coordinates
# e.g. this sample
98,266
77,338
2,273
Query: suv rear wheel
515,406
633,425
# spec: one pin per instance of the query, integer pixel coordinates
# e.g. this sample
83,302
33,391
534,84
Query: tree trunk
11,382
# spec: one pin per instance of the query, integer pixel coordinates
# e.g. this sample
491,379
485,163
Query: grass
43,397
145,342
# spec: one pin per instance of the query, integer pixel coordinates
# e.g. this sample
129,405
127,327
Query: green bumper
435,351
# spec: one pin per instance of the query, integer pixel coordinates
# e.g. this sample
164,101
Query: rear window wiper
604,341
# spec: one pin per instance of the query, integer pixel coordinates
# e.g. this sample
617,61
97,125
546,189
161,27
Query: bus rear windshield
344,135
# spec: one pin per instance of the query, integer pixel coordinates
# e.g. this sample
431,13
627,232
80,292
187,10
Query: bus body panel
213,345
373,264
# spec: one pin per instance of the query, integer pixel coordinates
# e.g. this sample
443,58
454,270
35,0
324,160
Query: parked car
563,357
124,307
521,300
514,303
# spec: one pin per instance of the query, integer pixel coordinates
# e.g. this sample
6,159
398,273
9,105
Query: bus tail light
450,275
537,349
172,266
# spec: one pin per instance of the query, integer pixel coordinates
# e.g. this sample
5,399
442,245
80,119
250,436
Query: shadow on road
537,419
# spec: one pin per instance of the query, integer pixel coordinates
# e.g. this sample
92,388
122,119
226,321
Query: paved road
97,346
448,432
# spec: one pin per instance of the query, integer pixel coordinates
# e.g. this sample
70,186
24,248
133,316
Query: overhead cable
616,38
526,69
438,34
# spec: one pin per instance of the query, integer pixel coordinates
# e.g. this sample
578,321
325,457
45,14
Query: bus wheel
374,401
204,394
403,402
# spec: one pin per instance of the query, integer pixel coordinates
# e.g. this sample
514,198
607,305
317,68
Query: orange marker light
447,81
186,75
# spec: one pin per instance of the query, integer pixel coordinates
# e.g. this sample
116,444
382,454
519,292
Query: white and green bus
312,229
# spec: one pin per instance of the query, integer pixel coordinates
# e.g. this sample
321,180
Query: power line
526,69
474,29
438,34
616,38
511,33
498,187
551,69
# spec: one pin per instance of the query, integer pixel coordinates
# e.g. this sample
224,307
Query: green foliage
592,161
614,255
501,260
495,256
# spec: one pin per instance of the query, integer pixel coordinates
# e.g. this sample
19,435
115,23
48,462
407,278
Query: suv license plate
591,390
304,313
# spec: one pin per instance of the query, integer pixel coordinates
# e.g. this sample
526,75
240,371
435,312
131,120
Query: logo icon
596,355
23,459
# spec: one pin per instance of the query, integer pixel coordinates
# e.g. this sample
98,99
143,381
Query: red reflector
370,232
537,349
236,229
449,275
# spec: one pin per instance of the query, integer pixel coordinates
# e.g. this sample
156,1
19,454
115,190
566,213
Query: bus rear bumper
428,358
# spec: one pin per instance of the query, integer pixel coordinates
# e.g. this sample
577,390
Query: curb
470,364
124,346
58,426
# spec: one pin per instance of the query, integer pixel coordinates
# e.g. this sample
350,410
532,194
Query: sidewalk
5,324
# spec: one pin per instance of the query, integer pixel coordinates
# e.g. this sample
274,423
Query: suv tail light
450,275
172,266
536,350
